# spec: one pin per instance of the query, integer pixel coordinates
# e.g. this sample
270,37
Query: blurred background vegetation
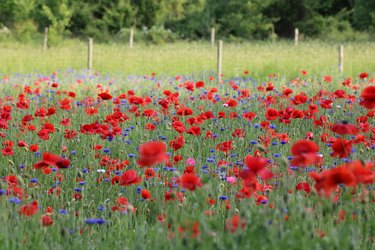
162,21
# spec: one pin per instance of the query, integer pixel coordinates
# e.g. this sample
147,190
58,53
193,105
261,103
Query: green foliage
158,35
243,18
190,19
155,35
364,15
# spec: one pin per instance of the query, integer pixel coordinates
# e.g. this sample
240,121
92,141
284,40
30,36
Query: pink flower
190,161
231,179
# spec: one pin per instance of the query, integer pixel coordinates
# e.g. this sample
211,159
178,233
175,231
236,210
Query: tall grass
259,58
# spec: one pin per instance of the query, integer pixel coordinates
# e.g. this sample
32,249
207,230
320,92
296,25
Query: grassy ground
260,58
276,216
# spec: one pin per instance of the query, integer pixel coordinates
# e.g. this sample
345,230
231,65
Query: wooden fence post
296,34
341,58
212,37
45,40
131,38
89,54
219,59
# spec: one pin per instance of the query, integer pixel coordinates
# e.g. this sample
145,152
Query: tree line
190,19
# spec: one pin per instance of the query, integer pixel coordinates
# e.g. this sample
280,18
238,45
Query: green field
85,197
259,58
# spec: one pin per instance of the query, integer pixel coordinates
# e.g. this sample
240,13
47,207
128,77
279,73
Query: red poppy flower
328,180
34,147
7,151
105,96
238,132
43,134
199,84
178,126
122,201
63,163
129,177
287,92
12,180
46,220
344,128
249,116
304,153
326,104
48,159
184,111
22,144
150,126
303,186
149,173
231,103
189,181
194,130
46,170
363,172
256,166
363,75
271,114
368,97
299,99
146,194
177,143
29,209
327,78
234,223
341,148
52,160
152,153
225,146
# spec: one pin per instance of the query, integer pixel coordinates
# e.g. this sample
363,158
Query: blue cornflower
100,221
63,211
14,200
90,221
210,160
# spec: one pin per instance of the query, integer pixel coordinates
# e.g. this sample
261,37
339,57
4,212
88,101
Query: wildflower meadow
91,160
